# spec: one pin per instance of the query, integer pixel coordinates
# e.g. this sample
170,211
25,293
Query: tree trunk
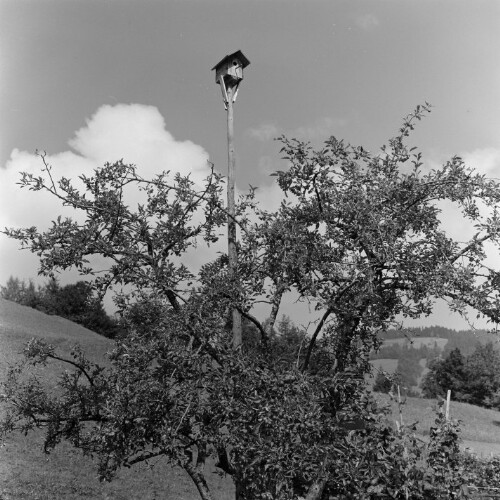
239,491
199,481
195,472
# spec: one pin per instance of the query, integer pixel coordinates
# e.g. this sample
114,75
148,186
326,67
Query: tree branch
77,365
314,337
256,322
474,241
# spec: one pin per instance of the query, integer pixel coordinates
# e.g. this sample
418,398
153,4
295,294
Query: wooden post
448,397
400,406
231,221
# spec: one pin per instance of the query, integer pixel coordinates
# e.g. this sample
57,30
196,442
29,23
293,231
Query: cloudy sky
91,81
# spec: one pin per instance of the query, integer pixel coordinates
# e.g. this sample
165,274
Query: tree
358,236
446,374
13,290
474,379
382,383
483,375
49,297
77,303
409,369
20,292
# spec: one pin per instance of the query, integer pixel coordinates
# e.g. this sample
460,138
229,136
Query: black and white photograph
249,249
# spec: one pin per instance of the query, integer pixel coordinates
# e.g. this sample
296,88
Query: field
480,427
26,473
390,365
18,324
386,365
417,342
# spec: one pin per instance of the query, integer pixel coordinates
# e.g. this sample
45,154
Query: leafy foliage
383,383
20,292
358,237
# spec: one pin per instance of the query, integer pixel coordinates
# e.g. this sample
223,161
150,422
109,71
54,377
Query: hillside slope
26,473
18,324
480,427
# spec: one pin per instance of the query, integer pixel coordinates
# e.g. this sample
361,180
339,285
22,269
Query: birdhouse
229,73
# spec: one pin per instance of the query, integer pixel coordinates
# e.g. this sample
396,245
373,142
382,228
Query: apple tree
359,236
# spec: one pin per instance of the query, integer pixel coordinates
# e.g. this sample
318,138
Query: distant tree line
399,351
465,340
419,331
75,302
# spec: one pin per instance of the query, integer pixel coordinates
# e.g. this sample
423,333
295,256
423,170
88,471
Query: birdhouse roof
238,55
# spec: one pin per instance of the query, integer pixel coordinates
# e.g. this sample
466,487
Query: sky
93,81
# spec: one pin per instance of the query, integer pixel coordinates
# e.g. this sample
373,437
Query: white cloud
137,134
266,165
321,129
269,197
485,161
264,132
367,21
133,132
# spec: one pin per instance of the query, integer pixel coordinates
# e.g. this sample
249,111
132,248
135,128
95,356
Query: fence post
448,397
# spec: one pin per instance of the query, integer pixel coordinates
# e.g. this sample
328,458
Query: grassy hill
27,474
480,427
18,324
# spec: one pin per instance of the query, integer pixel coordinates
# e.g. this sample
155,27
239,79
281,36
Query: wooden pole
400,406
448,397
231,221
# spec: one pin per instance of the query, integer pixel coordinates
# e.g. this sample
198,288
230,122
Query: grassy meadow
480,427
26,473
18,324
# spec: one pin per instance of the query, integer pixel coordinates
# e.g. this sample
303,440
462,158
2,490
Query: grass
386,365
18,324
480,427
26,473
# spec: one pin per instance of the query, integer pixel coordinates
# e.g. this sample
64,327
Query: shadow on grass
496,422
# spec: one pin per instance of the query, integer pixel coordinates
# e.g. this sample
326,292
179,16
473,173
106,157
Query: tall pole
231,217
